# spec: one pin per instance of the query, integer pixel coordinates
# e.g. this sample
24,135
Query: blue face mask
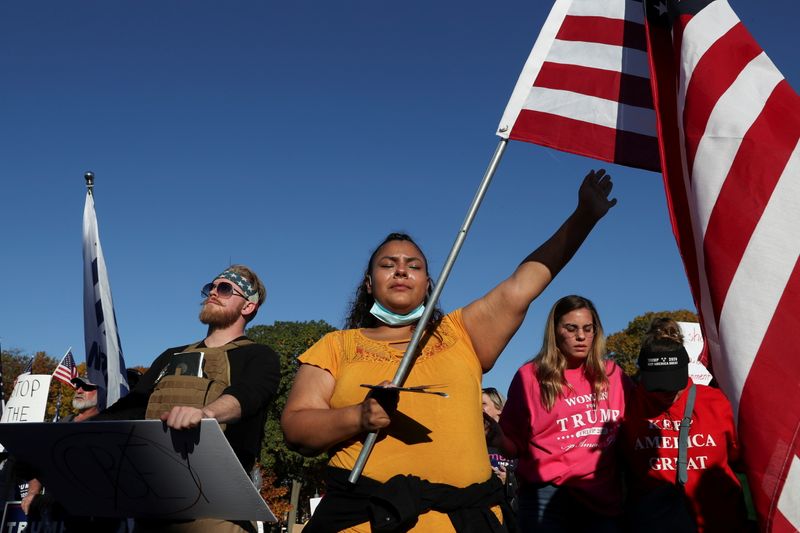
393,319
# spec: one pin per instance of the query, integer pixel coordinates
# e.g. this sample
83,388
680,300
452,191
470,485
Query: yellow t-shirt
435,438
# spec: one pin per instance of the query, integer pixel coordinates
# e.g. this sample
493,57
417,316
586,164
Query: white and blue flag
104,362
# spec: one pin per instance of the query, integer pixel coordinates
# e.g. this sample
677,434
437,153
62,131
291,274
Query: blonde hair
495,397
551,363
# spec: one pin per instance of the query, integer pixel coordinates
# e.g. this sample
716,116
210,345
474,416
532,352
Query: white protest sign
693,342
138,469
313,502
28,400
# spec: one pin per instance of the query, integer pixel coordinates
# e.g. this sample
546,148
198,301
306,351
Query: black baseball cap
84,383
664,371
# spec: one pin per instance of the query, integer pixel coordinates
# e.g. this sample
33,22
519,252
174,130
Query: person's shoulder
254,348
526,373
710,394
613,370
172,351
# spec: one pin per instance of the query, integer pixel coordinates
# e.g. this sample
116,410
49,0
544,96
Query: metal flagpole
408,357
89,177
57,416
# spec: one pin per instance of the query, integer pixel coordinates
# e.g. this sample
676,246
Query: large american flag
728,126
585,88
66,369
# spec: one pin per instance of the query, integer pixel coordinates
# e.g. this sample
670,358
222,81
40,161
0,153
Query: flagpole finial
89,177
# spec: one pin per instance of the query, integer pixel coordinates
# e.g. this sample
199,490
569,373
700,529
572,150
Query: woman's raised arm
492,320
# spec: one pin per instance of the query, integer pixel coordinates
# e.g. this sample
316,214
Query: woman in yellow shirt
428,471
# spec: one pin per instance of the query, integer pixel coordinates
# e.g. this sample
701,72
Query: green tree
14,362
623,346
289,339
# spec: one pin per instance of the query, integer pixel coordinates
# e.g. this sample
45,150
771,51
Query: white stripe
733,115
592,109
789,501
760,279
704,299
601,56
612,9
700,34
532,67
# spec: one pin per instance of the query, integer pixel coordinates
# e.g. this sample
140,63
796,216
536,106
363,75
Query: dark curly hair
359,316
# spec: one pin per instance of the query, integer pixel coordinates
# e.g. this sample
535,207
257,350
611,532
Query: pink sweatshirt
573,444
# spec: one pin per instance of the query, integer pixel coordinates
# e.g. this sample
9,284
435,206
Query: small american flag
66,369
585,87
28,368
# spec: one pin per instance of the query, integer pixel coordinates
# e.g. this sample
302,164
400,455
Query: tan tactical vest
194,391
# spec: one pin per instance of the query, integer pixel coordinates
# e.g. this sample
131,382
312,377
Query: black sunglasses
85,386
224,290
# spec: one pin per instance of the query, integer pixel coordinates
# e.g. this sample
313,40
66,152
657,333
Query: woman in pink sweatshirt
561,420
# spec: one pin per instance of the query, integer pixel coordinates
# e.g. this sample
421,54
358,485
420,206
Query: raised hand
593,195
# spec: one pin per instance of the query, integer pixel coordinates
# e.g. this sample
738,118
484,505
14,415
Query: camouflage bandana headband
240,281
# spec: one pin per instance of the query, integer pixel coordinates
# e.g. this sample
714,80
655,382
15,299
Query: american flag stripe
604,84
731,236
590,140
769,409
603,30
66,370
722,64
599,55
587,76
732,168
630,10
726,129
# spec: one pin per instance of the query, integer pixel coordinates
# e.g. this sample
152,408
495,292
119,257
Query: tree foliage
623,346
289,339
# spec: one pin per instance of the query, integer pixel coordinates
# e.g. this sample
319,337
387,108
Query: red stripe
607,84
584,138
663,76
64,377
769,413
748,187
712,76
617,32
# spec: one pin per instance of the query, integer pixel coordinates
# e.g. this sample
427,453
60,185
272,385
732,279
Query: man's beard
82,404
218,317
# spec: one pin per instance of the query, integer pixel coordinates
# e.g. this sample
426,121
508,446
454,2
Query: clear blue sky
292,137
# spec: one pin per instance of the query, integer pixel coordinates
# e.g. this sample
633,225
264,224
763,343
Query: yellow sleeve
326,353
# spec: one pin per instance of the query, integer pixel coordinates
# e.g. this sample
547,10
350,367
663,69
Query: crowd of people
576,446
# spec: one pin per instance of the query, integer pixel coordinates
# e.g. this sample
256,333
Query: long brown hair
551,363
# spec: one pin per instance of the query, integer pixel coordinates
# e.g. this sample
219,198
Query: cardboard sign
693,342
28,400
138,469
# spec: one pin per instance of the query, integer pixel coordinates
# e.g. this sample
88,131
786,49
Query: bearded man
84,401
239,377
